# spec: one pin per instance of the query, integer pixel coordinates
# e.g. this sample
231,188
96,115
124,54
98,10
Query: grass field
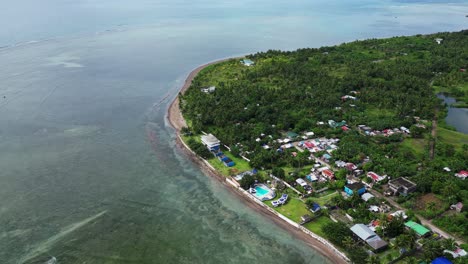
325,199
241,165
416,145
316,225
293,209
452,137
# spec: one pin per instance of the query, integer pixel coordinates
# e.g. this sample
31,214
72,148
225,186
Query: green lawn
241,165
452,137
316,225
325,199
416,145
293,209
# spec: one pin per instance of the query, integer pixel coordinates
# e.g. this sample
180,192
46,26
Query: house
309,144
457,252
370,237
210,89
402,186
419,229
334,124
374,208
400,213
328,174
309,134
345,128
326,156
404,129
291,135
305,219
315,208
301,182
357,187
211,142
462,174
340,163
311,177
375,177
367,196
350,166
247,62
438,40
457,207
348,97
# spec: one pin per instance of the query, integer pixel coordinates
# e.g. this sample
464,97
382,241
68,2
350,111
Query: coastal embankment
316,242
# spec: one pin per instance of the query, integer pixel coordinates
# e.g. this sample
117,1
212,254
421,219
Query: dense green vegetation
394,81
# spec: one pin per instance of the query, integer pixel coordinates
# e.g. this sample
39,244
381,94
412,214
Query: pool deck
268,196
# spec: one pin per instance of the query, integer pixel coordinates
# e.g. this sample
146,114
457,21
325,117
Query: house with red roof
328,174
350,166
375,177
462,174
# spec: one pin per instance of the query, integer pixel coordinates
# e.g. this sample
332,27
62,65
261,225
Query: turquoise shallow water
90,171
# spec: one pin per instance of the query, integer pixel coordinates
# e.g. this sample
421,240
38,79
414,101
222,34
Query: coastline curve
176,121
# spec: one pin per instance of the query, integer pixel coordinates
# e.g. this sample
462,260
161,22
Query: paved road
424,221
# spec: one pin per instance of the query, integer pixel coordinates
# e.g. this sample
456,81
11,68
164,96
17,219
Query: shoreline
176,120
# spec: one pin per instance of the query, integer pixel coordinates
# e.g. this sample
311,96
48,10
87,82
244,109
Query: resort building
211,142
402,186
419,229
370,237
247,62
353,188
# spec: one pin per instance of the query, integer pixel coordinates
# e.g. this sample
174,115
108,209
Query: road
424,221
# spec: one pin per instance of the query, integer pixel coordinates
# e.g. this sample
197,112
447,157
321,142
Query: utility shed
419,229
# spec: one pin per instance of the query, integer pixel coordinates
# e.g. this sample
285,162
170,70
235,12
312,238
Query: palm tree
348,242
431,206
373,259
449,243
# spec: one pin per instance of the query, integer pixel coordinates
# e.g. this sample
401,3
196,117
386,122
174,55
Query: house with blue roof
315,208
353,188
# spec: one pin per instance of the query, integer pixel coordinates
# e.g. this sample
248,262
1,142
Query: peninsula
345,146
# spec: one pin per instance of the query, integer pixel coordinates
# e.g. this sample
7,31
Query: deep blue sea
89,168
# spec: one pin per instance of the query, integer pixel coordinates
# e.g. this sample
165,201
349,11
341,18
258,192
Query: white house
210,141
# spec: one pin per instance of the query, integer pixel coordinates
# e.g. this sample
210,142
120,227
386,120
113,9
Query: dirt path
177,121
433,133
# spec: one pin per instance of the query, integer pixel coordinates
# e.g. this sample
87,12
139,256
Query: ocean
89,168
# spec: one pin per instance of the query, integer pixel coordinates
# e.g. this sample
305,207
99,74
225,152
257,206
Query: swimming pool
260,192
263,193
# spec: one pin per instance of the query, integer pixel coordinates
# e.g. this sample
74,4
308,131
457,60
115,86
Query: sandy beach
177,121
